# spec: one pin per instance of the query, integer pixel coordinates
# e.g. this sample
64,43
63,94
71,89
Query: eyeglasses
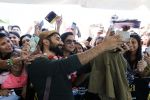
70,41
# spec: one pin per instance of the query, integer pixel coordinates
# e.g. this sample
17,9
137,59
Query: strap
47,89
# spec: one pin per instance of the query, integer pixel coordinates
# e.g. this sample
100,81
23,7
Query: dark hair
44,29
65,35
2,30
138,53
2,35
21,38
98,39
16,27
75,51
9,54
15,33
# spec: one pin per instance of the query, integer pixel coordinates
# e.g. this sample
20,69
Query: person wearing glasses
50,77
69,41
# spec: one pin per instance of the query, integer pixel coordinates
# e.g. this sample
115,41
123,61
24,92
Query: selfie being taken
75,50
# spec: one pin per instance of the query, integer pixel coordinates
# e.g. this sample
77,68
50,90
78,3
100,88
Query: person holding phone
54,83
138,66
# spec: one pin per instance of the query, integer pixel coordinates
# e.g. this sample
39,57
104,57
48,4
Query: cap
45,34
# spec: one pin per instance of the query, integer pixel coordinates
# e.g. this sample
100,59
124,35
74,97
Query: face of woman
98,41
6,45
25,40
78,48
15,40
133,44
69,43
145,39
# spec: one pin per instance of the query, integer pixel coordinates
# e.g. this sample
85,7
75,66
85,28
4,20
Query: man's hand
123,48
112,42
109,43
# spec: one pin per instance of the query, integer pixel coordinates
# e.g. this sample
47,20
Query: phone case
51,17
33,43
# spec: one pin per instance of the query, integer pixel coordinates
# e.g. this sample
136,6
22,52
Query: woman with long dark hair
136,66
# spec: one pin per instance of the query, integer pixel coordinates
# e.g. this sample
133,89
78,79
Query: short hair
15,33
65,35
2,35
15,26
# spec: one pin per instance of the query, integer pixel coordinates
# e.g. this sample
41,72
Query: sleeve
46,67
85,69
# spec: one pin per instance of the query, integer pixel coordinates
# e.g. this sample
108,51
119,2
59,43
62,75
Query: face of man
55,44
16,29
69,43
5,45
14,39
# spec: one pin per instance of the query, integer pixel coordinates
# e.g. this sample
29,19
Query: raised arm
108,44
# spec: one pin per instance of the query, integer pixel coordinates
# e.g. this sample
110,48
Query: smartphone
89,39
51,17
124,35
73,26
33,43
147,50
41,24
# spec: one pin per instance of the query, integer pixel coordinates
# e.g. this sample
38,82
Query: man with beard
49,77
50,47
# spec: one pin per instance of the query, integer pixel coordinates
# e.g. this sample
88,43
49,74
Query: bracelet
10,62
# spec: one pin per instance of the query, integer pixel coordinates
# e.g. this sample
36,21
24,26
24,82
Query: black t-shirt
60,88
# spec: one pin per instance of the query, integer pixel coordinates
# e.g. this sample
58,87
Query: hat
45,34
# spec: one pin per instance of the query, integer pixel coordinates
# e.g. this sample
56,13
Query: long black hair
138,53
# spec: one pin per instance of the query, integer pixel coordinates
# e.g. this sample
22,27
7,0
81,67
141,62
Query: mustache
60,45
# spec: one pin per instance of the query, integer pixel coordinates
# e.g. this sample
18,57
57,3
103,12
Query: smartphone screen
33,43
41,24
73,26
124,35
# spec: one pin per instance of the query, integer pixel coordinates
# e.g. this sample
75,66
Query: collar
54,57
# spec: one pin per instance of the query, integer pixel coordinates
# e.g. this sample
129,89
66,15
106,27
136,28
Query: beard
57,50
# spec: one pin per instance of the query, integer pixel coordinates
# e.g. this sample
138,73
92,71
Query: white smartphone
147,50
124,35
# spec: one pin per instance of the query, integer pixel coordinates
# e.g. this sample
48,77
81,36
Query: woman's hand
58,23
142,64
147,58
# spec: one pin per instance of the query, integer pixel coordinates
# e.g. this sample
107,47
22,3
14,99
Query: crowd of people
61,68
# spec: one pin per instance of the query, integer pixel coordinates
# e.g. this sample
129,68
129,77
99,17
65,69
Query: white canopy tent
83,12
103,4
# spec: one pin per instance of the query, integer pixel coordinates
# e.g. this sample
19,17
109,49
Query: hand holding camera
125,36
